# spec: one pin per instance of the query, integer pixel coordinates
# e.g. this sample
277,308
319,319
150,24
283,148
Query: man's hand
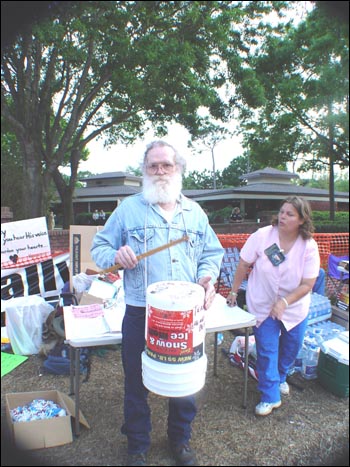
209,291
126,257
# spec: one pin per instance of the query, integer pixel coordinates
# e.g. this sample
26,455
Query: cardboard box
340,317
47,433
80,241
88,299
343,301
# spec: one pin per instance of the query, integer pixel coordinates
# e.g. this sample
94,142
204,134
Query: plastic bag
24,321
237,351
82,281
238,345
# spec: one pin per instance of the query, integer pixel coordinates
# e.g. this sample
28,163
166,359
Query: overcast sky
119,157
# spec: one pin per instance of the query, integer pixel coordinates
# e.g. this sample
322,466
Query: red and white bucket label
175,336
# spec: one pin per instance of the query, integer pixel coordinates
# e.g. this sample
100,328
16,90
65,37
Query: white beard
164,189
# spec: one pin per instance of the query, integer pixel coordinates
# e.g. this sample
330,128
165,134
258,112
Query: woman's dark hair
304,210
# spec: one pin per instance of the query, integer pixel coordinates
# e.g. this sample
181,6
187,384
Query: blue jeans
320,284
137,416
276,350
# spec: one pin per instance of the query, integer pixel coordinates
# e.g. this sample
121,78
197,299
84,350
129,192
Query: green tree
341,183
11,173
305,80
134,170
239,166
115,69
199,180
207,137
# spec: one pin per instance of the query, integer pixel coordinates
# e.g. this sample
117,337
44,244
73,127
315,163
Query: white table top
219,317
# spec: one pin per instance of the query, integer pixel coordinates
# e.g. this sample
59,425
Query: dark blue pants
137,417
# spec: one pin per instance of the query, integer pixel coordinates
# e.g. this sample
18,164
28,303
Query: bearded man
155,217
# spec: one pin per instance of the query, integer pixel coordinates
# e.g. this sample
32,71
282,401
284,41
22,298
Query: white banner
46,278
24,242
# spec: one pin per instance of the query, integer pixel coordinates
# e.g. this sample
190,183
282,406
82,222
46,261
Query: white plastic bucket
174,362
173,380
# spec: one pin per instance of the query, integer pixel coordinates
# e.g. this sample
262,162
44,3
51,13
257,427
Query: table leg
215,352
245,369
77,390
71,369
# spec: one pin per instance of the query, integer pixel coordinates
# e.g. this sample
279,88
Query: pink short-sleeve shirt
267,283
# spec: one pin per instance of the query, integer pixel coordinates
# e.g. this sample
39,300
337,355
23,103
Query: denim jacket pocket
195,245
140,241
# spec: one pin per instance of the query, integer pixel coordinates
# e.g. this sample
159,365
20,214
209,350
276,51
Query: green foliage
199,180
85,218
238,166
115,69
322,222
219,216
134,170
323,216
229,177
341,183
11,174
206,138
304,75
331,227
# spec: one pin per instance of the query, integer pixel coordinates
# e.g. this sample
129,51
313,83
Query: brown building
263,192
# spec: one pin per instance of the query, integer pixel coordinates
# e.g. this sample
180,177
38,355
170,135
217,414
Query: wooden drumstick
148,253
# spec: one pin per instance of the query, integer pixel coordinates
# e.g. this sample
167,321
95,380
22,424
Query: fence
328,243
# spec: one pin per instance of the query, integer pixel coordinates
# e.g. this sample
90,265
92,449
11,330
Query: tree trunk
331,165
66,195
214,168
67,204
32,181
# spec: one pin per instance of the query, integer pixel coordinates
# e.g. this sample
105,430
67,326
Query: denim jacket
141,226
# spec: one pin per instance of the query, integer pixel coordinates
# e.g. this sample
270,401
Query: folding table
220,317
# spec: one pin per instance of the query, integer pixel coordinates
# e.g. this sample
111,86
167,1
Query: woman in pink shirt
286,263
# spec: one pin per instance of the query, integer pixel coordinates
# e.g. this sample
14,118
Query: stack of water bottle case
324,354
325,351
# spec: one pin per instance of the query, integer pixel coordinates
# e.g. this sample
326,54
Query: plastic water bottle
220,338
309,368
298,363
318,336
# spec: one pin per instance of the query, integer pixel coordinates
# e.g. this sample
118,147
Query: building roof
108,193
267,191
261,175
268,183
109,175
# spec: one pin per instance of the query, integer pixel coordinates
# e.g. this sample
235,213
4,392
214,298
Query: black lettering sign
28,281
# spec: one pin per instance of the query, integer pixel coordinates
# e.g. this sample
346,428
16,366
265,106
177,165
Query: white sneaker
284,388
265,408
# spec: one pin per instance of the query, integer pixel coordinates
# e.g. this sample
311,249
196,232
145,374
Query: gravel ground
310,428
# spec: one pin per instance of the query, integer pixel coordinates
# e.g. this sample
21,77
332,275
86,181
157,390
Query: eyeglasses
166,168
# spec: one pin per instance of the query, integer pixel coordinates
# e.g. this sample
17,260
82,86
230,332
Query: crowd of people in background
98,217
236,215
